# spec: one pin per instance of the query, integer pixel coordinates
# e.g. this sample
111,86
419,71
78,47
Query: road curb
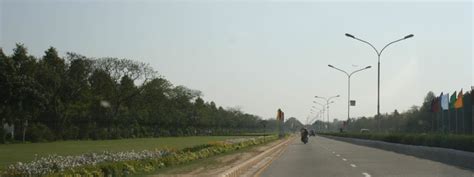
453,157
241,168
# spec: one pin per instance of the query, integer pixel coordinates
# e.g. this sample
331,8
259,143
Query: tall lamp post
323,108
327,103
349,86
378,63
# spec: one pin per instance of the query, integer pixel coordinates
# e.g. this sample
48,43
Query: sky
264,55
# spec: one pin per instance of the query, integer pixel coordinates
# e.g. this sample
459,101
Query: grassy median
11,153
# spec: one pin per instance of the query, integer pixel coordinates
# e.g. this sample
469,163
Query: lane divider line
366,174
338,155
344,159
353,165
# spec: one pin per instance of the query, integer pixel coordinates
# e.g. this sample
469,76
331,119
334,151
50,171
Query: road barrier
454,157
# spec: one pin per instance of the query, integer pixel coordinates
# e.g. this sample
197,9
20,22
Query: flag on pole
438,102
435,104
452,100
445,101
459,102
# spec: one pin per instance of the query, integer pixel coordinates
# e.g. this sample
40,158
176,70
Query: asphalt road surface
330,158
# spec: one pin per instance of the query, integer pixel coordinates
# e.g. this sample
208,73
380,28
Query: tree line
77,97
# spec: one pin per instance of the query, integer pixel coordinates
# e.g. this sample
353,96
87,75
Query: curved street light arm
339,70
359,70
318,103
332,98
376,51
391,44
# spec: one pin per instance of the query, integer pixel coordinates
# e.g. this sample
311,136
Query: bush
71,133
40,133
3,136
100,134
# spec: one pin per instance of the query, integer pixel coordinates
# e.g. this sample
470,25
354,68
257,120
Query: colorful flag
459,103
452,100
433,105
438,104
445,102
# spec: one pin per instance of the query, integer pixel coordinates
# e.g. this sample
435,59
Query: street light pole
327,103
349,86
378,65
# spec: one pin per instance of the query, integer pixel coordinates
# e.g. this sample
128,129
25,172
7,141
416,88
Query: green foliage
460,142
40,133
77,97
175,157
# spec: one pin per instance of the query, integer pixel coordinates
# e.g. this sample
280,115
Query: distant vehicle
304,139
363,130
312,133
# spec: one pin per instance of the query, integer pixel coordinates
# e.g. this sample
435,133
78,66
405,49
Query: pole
463,121
449,120
442,121
378,91
348,97
432,122
378,64
456,115
328,114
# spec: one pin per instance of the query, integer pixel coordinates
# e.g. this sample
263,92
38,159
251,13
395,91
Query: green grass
11,153
206,163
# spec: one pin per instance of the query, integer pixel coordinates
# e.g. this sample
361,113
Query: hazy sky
265,55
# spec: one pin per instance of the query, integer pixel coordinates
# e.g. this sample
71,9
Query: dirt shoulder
216,165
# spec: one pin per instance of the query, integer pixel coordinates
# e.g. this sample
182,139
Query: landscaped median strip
124,163
241,168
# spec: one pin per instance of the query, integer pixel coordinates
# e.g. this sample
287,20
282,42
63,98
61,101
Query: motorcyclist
304,135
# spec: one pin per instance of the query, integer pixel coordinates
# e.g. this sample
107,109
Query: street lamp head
368,67
349,35
408,36
331,66
338,95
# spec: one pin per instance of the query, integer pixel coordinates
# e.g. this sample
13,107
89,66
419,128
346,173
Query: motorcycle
304,139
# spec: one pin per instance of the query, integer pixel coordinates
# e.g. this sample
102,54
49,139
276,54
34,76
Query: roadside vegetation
74,97
127,162
12,153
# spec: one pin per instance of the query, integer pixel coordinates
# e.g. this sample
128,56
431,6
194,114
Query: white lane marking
338,155
344,159
366,174
352,165
333,152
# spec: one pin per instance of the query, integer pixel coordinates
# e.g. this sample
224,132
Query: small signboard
353,102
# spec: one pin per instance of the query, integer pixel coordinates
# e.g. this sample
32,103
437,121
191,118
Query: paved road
330,158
